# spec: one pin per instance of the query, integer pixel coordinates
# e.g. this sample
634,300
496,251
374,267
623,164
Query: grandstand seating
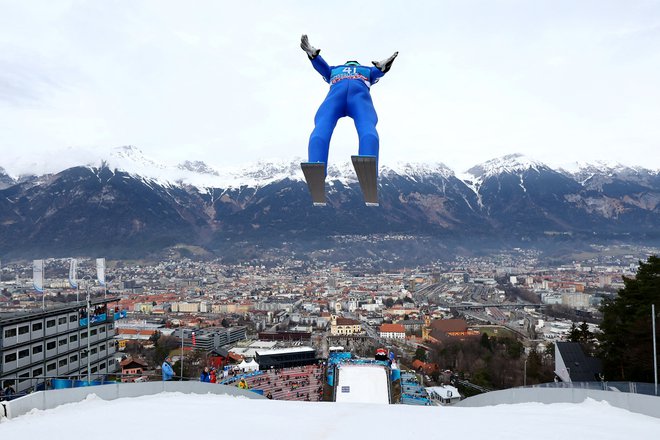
296,383
412,392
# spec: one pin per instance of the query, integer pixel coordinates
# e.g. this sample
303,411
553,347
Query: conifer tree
626,339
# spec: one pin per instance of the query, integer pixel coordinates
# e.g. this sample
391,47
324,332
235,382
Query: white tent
252,366
243,366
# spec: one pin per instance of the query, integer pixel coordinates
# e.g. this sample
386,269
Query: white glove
311,51
385,65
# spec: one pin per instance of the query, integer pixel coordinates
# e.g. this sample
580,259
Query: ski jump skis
315,176
367,174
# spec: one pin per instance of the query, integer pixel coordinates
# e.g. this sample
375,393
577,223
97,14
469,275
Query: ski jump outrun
349,95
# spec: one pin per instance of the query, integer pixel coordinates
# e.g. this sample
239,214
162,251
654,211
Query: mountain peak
417,169
509,164
597,173
602,167
5,179
132,159
197,166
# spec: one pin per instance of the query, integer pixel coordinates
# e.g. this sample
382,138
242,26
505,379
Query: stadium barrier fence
637,403
42,400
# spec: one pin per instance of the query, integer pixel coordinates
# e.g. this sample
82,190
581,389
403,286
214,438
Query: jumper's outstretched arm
310,50
317,61
385,65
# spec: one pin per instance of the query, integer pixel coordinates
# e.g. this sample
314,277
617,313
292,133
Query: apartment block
40,345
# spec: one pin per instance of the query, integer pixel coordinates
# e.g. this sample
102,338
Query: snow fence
52,398
637,403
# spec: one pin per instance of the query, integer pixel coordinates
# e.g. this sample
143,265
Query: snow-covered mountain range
132,160
135,204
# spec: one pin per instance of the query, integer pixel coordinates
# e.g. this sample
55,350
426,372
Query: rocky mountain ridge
147,207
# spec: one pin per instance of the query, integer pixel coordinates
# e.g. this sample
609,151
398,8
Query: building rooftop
581,368
11,317
284,351
392,328
449,325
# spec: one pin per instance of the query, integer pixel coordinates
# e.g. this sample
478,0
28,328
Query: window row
24,329
37,326
51,369
12,332
50,345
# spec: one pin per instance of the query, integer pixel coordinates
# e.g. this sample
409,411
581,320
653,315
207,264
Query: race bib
350,72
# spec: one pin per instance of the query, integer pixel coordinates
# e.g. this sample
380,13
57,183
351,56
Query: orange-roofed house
425,367
392,331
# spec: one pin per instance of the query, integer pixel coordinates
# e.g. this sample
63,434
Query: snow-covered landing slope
362,384
186,416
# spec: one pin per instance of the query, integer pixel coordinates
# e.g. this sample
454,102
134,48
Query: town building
291,336
135,330
425,367
573,365
392,331
442,329
444,394
412,325
132,369
40,345
285,357
210,338
344,326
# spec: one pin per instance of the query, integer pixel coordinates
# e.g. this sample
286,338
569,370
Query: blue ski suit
348,96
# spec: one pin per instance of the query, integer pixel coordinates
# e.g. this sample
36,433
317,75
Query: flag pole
43,294
89,336
655,356
181,329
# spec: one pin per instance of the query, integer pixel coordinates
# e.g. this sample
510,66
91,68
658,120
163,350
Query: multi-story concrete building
576,300
185,307
242,307
40,345
210,338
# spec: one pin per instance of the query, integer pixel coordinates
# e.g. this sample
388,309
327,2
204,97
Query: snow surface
366,384
186,416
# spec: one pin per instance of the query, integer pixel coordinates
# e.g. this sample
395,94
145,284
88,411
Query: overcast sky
227,83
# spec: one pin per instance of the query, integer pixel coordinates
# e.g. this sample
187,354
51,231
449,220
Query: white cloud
227,82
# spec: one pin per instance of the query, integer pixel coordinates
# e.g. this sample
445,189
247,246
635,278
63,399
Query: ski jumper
348,96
